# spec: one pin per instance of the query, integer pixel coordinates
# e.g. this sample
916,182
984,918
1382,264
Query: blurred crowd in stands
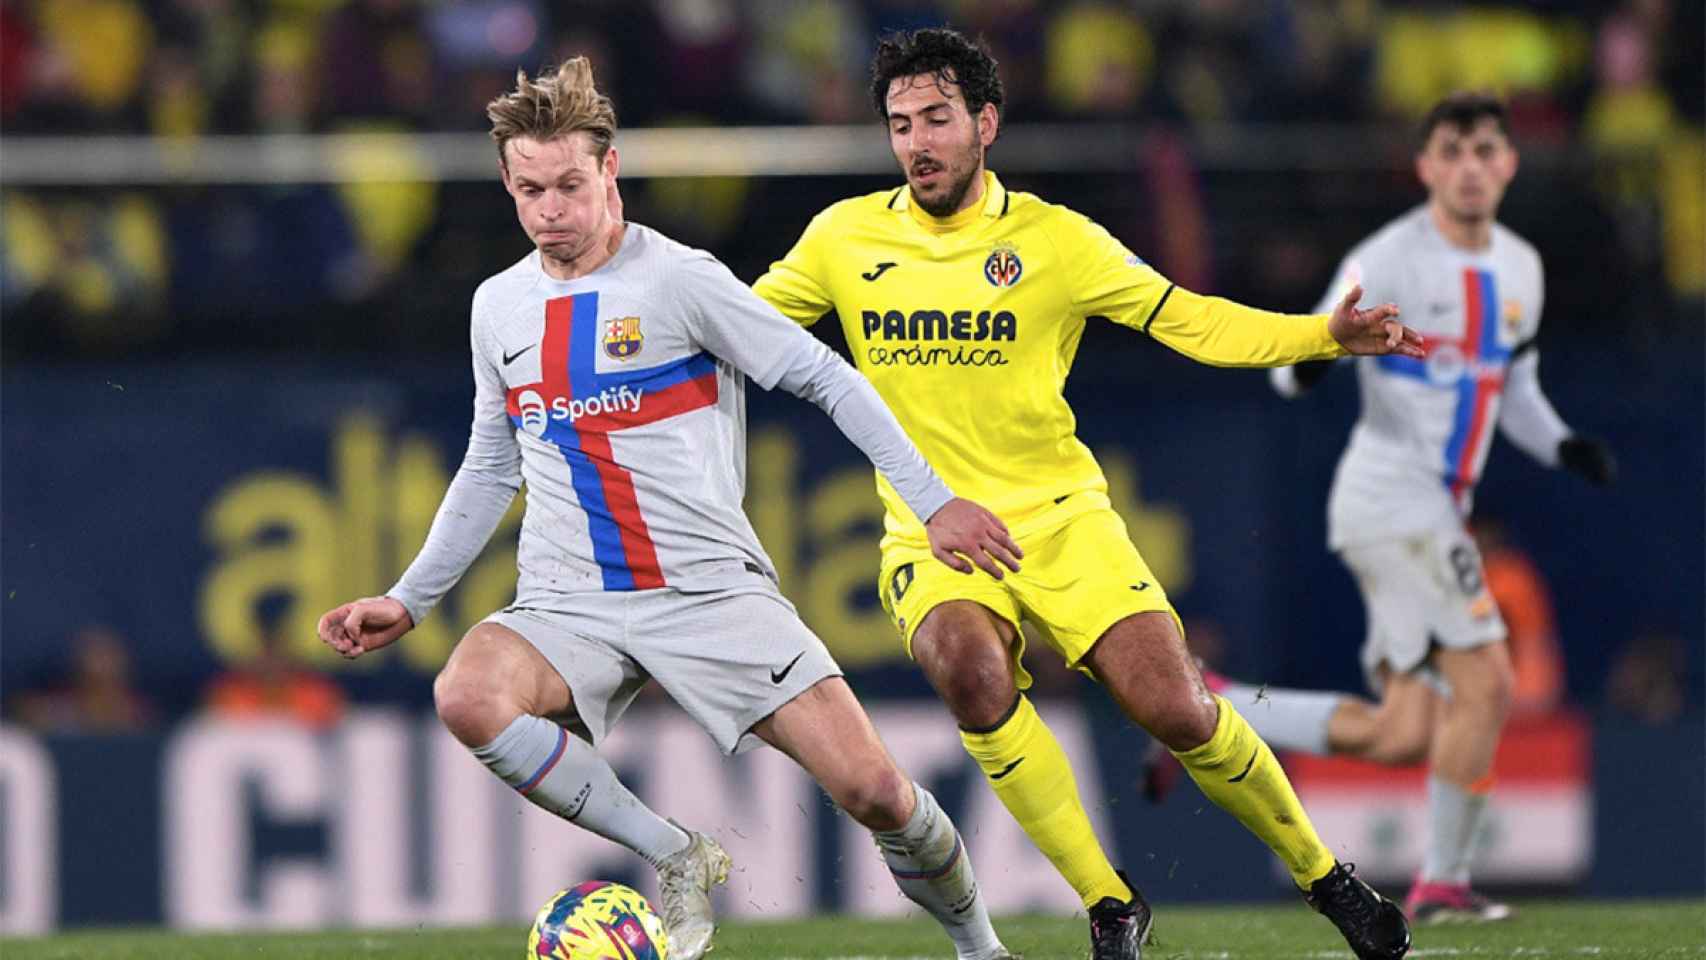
1615,73
1615,89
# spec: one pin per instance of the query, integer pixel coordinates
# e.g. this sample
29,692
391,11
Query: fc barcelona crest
1511,316
622,338
1003,268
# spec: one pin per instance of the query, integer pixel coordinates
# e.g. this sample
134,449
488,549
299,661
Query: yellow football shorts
1076,580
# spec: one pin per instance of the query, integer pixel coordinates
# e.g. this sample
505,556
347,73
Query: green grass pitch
1599,930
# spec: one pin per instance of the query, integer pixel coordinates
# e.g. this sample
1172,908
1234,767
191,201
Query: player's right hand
962,529
364,625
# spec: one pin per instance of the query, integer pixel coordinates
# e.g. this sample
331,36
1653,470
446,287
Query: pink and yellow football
598,920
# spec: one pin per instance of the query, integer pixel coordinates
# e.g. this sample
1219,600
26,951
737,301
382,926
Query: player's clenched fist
962,529
364,625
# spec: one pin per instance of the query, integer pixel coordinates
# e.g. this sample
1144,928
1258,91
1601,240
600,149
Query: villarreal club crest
622,338
1003,268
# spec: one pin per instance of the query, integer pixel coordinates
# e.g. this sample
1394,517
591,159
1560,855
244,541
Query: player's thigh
827,732
494,662
1143,663
914,588
1084,577
1423,593
962,629
578,678
730,658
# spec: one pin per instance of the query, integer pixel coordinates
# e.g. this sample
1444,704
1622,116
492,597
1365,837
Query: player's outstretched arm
364,625
1372,331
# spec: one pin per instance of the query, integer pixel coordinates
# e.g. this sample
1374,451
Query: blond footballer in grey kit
609,370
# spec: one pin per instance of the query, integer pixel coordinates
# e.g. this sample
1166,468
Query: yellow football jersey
967,326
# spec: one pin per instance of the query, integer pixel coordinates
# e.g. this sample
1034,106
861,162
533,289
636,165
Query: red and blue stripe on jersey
1485,363
568,355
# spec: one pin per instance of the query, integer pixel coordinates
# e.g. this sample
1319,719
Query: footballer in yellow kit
964,303
968,326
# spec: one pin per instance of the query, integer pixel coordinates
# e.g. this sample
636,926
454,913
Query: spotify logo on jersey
532,412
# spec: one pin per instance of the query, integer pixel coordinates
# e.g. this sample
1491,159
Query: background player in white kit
608,369
1435,650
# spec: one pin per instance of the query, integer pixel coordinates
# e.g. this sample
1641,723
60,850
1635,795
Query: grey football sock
565,775
1286,719
930,866
1454,820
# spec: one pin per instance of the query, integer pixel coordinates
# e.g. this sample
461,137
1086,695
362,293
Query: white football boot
685,880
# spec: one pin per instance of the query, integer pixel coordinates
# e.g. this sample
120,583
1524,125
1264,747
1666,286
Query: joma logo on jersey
1003,268
622,339
940,325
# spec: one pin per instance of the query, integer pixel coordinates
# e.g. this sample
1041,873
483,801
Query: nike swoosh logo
1257,752
882,268
777,676
1007,769
1142,586
509,358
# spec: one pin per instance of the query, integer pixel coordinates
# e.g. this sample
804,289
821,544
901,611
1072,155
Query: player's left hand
1372,331
962,529
1589,458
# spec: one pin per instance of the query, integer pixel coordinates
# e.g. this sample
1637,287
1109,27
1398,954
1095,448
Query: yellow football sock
1241,775
1028,770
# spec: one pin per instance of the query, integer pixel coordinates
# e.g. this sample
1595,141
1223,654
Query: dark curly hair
947,54
1463,110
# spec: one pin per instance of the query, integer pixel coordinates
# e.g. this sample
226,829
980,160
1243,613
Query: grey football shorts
729,657
1421,593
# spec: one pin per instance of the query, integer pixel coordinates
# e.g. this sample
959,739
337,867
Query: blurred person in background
636,560
1647,678
274,686
378,62
99,694
1531,631
964,302
1436,650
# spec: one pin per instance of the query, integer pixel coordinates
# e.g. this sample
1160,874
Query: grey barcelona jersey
618,397
1426,426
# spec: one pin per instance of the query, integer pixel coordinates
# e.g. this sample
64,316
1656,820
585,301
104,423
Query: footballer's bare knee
492,677
1181,715
1482,680
881,800
965,654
